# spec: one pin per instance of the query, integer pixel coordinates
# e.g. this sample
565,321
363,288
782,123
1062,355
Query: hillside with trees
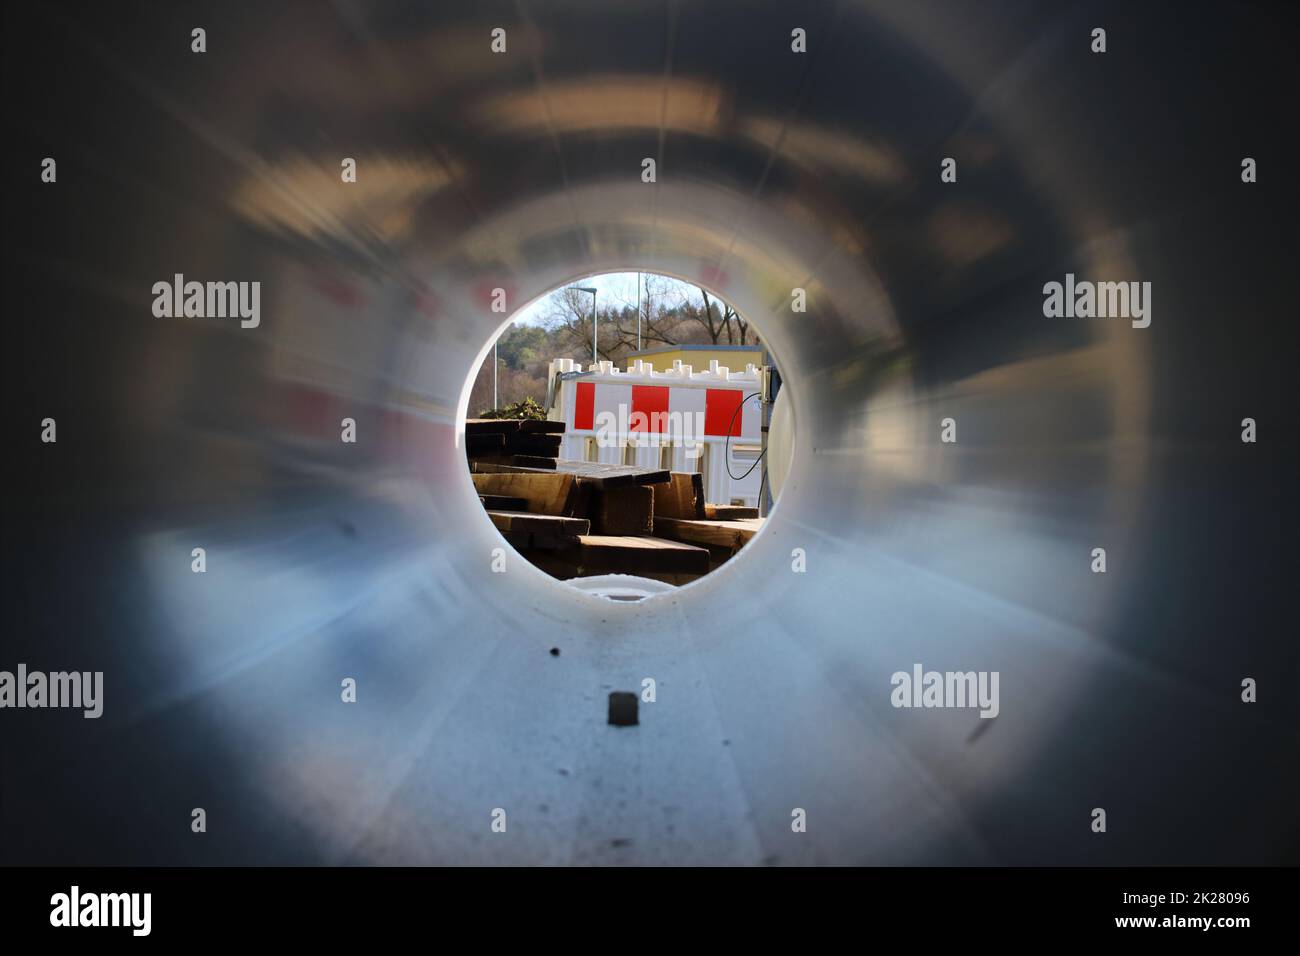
672,313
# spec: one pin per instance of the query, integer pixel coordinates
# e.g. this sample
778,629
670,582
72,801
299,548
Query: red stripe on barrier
720,406
651,401
584,405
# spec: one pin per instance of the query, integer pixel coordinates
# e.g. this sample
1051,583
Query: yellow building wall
699,359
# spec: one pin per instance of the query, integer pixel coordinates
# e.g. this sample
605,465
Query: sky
611,288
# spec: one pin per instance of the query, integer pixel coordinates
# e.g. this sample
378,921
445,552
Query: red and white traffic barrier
707,421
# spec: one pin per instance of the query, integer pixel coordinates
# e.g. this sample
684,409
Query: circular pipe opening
645,467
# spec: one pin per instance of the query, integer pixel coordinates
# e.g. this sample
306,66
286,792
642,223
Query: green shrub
528,409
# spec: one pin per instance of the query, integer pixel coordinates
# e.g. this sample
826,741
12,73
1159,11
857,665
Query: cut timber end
682,496
547,493
727,512
626,510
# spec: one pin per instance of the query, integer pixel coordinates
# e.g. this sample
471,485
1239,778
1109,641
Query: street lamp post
586,288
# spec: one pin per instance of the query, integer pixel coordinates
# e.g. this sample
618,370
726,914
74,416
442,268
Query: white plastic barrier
678,419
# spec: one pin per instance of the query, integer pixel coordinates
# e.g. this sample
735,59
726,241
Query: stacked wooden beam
512,441
578,518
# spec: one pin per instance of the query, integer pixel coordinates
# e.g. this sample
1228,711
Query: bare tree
658,319
568,317
742,326
719,319
670,314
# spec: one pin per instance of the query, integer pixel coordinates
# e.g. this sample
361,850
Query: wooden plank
598,474
611,476
484,444
503,503
548,427
626,510
547,493
682,496
508,462
480,466
722,534
727,512
536,546
633,554
512,426
549,542
491,426
533,461
545,445
522,521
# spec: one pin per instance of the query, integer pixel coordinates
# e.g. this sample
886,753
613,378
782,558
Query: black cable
726,450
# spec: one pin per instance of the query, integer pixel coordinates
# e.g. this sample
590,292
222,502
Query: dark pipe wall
775,170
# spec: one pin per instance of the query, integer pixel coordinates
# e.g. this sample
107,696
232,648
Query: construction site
634,476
